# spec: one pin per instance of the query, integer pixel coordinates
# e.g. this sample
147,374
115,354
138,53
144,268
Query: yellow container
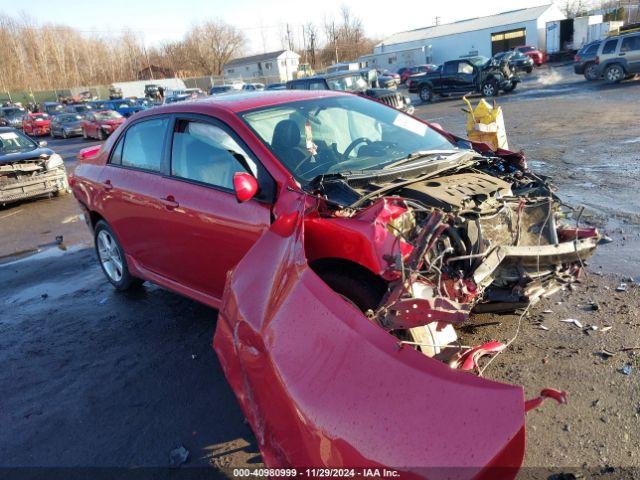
485,123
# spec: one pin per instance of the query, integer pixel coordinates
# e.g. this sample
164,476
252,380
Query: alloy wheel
110,257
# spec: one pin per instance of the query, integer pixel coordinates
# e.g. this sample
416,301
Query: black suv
360,82
476,74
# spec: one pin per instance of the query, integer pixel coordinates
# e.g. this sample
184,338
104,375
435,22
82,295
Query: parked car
36,124
477,74
52,108
331,205
387,79
619,57
416,70
125,107
28,169
518,61
66,125
353,82
11,116
218,89
79,108
101,123
115,93
253,86
585,61
537,55
276,86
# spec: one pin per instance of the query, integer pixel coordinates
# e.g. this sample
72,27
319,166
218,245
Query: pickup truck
477,74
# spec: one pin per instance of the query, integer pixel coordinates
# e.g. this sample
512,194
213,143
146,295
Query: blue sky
262,20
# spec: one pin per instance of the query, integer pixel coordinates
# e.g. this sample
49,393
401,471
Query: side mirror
42,143
245,186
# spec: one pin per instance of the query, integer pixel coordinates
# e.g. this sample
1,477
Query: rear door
207,231
132,203
630,50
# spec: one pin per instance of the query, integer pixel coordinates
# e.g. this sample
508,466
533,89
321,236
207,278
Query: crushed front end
32,177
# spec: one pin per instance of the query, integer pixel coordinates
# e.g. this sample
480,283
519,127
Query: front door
630,50
206,230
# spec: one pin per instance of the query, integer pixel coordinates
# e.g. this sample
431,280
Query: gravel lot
95,378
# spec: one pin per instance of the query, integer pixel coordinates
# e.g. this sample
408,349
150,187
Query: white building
466,38
279,66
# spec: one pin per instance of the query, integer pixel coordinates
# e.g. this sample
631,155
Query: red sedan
536,55
101,124
36,124
342,242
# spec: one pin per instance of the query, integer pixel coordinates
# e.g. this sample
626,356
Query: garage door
503,41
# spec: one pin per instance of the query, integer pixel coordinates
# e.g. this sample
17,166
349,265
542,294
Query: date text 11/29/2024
316,472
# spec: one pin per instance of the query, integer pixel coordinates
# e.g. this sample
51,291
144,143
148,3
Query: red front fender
321,385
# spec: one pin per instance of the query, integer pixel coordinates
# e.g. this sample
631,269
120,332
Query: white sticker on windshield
8,136
410,124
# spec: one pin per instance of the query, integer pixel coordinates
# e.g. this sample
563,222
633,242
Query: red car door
131,184
206,230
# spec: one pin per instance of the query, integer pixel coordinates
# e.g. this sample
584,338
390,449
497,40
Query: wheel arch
344,265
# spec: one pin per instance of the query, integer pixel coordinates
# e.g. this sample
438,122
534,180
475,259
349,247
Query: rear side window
143,144
451,67
591,49
609,46
630,44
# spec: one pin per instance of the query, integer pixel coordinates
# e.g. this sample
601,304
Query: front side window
609,47
341,134
464,67
143,144
630,44
206,153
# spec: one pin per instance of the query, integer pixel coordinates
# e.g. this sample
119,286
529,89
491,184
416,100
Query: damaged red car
343,242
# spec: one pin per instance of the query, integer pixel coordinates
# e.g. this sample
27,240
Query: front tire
591,72
426,94
112,258
614,73
490,88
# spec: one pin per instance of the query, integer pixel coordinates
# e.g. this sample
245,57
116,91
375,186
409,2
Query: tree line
48,56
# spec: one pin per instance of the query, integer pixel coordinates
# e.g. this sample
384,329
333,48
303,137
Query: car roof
241,102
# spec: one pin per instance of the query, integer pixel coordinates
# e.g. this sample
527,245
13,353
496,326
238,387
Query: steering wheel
354,144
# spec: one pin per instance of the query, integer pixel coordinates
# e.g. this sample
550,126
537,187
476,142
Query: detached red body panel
321,385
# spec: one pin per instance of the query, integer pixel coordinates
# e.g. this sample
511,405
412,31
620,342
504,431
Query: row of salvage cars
343,242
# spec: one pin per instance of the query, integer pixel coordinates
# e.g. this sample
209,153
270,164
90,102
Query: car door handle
621,54
169,202
106,185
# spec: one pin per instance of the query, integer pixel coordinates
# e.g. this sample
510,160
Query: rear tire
112,258
614,73
591,72
426,94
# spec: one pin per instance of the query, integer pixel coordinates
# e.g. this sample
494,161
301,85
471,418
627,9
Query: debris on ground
178,456
572,320
622,287
103,301
604,353
626,369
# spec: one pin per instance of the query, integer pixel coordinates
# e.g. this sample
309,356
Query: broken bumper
51,181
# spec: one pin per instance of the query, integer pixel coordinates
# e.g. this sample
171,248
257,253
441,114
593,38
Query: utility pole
437,21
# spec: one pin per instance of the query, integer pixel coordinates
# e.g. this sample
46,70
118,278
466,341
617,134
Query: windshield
54,108
353,83
39,116
70,118
108,115
82,108
13,112
12,142
526,49
478,61
341,134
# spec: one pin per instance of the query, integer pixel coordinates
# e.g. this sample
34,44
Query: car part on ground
28,170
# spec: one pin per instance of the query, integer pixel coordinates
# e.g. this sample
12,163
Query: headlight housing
54,161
